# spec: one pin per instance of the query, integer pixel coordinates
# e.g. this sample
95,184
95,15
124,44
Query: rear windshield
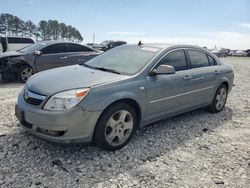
125,59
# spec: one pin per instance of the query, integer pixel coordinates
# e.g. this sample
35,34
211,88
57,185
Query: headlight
66,100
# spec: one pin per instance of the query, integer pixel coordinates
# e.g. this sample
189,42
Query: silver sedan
106,99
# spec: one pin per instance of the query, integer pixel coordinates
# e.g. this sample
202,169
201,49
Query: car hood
10,54
70,77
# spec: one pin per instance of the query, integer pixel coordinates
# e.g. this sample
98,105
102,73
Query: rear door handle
188,77
216,71
65,57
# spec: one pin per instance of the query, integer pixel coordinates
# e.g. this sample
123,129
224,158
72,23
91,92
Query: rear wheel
219,100
24,73
115,127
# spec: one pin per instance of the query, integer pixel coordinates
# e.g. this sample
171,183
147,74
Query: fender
95,101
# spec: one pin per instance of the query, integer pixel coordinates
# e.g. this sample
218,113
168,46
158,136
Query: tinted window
78,48
198,59
55,48
177,59
211,61
16,40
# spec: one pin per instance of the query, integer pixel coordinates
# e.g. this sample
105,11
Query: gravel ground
197,149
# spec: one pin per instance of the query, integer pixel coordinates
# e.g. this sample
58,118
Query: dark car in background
108,44
221,52
42,56
248,52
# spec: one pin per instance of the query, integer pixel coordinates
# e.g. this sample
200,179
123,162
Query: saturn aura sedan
106,99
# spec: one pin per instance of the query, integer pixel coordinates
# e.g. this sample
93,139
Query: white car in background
238,53
14,43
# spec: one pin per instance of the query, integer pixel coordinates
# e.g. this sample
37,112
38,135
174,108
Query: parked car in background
108,44
248,52
106,99
14,43
238,53
91,44
42,56
220,52
232,52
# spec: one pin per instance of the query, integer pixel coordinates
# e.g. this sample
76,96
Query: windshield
34,47
124,59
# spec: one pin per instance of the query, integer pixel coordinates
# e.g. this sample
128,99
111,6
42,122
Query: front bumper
74,125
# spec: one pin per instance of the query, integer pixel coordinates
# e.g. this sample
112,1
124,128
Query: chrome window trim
179,95
188,48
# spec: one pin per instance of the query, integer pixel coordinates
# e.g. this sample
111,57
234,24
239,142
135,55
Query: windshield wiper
101,68
87,65
108,70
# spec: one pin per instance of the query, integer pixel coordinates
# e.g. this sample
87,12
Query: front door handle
81,60
187,77
199,78
216,72
65,57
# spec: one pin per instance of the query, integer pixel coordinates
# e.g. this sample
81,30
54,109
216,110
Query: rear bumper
71,126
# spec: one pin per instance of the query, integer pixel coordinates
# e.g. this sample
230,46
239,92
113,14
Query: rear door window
55,48
198,59
177,59
77,48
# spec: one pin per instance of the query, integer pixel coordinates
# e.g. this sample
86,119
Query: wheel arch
225,83
133,103
223,80
23,63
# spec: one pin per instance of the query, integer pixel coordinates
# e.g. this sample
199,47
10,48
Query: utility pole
93,38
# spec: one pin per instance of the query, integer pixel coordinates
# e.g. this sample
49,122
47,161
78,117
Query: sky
224,23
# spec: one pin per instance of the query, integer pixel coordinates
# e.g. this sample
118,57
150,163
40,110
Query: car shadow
147,145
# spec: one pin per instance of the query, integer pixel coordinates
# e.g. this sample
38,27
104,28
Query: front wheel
24,73
219,100
115,127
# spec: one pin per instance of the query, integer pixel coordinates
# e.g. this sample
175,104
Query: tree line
45,30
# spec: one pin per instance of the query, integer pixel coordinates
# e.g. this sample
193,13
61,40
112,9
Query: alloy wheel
26,73
221,98
119,127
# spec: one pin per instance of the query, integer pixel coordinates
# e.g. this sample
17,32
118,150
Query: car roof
50,42
56,41
169,45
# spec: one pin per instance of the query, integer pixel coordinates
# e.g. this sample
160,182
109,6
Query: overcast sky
224,23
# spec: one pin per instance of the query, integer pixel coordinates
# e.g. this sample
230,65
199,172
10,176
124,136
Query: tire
24,73
219,100
115,127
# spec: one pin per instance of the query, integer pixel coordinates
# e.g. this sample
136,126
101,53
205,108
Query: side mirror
37,53
163,69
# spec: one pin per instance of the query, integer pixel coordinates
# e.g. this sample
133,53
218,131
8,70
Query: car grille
33,98
34,101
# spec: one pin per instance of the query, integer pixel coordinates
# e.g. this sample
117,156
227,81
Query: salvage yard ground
196,149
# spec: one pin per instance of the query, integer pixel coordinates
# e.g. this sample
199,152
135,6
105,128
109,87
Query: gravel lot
197,149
